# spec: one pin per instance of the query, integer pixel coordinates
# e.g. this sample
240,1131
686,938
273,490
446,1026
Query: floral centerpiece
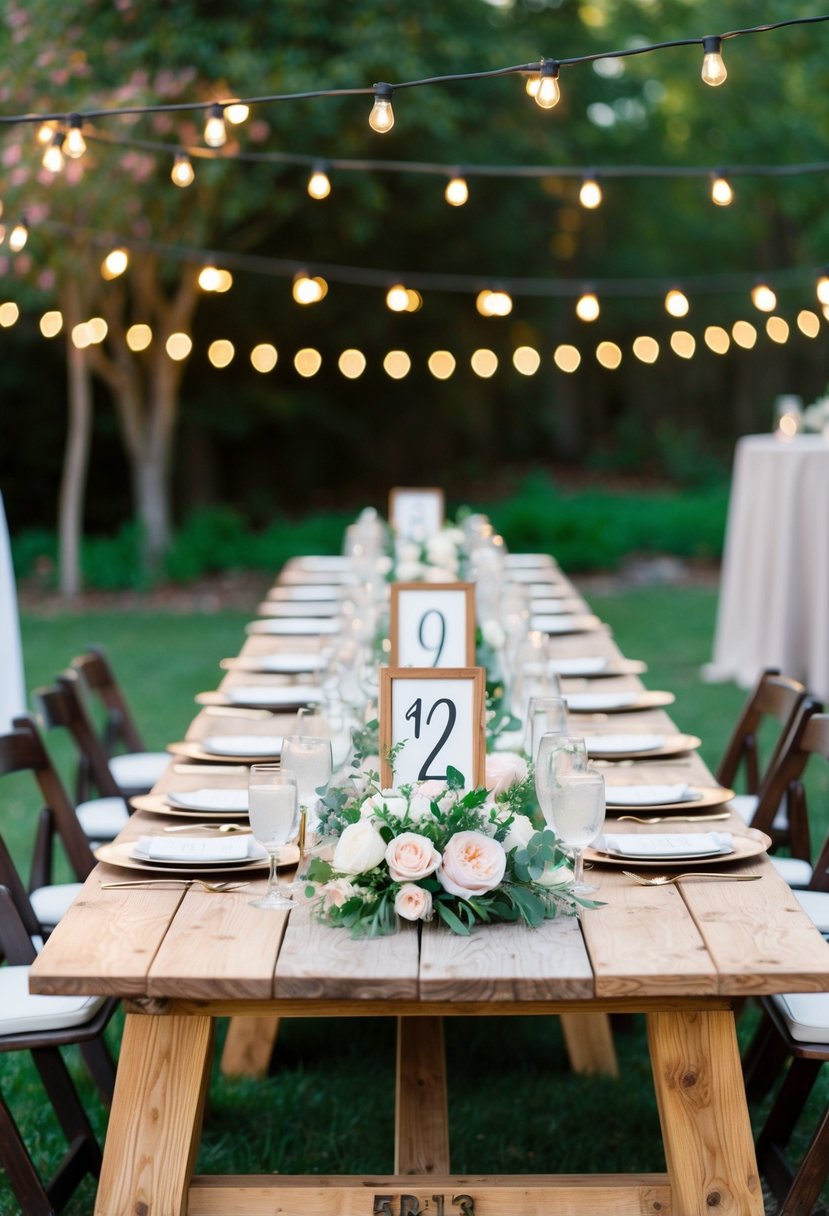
816,415
438,850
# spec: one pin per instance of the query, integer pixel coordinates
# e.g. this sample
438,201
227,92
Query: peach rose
472,864
360,848
413,903
503,771
336,892
411,857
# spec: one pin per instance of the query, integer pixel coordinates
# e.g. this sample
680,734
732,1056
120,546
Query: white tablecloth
774,589
12,683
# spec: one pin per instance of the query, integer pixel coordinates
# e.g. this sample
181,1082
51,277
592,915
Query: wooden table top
645,947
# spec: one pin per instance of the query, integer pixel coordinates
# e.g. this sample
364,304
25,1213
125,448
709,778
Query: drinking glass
545,716
578,810
557,754
308,757
273,811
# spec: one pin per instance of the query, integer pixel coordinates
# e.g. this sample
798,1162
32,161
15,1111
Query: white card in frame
432,625
416,512
431,719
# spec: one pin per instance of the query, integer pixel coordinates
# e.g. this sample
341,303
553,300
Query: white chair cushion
138,770
102,818
795,871
746,804
50,903
816,906
806,1015
21,1011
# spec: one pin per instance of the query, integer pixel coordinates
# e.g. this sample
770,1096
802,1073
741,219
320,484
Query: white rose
406,550
391,801
493,634
420,807
413,903
520,833
410,572
440,574
504,770
555,876
472,864
456,535
360,848
441,549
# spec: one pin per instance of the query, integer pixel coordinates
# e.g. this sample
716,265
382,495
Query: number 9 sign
432,625
431,719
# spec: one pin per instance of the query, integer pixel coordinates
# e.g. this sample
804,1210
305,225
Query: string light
822,289
713,69
114,264
721,192
493,303
676,303
457,191
53,156
139,337
182,173
777,329
307,290
214,279
683,343
548,92
808,323
215,131
75,142
51,323
526,360
397,299
45,132
236,112
716,339
587,307
9,313
441,364
590,194
18,236
609,355
178,346
381,118
319,184
352,364
397,364
567,358
646,349
484,363
744,334
221,352
763,298
263,357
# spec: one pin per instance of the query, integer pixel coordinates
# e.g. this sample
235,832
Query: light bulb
721,192
822,289
587,307
53,156
182,173
397,298
457,191
209,278
307,290
319,185
548,92
532,84
763,297
115,263
45,132
713,69
590,195
18,236
493,303
676,303
236,112
381,118
75,142
215,132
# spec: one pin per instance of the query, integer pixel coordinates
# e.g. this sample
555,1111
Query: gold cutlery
664,880
671,818
216,887
209,827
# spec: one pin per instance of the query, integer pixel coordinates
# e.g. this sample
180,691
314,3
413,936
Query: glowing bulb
307,290
397,299
209,278
456,192
215,131
319,185
75,142
713,68
115,263
182,172
676,303
45,132
721,192
493,303
763,297
139,337
587,308
236,112
532,84
51,323
53,156
548,92
18,236
590,195
822,289
381,118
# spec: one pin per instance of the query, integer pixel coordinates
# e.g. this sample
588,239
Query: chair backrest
777,698
22,750
783,786
61,705
96,671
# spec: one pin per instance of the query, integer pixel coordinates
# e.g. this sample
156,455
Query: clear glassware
309,758
556,754
578,811
273,811
545,716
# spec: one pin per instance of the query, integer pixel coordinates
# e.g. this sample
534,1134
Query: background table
774,588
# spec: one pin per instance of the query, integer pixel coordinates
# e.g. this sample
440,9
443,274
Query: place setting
679,797
226,803
278,697
294,626
619,747
666,850
594,667
565,622
285,663
309,608
629,700
213,855
306,592
247,749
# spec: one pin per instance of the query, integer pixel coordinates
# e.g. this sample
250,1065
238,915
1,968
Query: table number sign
416,513
432,625
431,720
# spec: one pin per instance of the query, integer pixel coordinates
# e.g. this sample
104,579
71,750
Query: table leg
589,1041
421,1130
249,1046
157,1109
702,1108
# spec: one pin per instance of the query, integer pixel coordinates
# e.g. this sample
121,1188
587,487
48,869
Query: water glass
545,716
557,755
273,811
578,811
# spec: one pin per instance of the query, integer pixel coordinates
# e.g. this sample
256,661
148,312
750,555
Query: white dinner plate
322,562
527,561
274,696
295,626
649,795
289,664
198,851
306,591
588,665
666,846
750,843
242,745
616,702
210,800
308,608
623,745
565,623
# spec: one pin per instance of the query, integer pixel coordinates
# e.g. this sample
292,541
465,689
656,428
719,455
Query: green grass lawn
328,1105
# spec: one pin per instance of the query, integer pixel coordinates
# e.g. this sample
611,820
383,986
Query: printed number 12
413,714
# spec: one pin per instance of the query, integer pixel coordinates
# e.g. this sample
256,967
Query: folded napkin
663,844
588,666
593,702
542,605
290,625
552,624
648,795
262,694
622,744
210,799
281,664
195,848
242,745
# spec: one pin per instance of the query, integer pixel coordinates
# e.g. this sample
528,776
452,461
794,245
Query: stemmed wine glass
273,811
546,715
309,758
578,810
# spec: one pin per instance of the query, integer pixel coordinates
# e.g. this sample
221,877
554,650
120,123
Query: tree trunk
76,454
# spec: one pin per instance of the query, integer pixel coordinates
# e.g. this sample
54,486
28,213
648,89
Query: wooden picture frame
408,504
409,699
416,641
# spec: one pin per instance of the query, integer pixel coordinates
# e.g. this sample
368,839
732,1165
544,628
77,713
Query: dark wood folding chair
775,697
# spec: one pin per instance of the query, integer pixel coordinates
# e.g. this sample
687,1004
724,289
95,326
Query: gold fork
664,880
670,818
216,887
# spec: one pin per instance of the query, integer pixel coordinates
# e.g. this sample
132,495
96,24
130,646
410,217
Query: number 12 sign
431,719
432,625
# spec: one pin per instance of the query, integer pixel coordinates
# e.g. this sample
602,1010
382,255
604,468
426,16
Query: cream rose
389,800
413,903
503,771
555,876
336,892
360,848
520,833
472,864
411,857
493,634
420,807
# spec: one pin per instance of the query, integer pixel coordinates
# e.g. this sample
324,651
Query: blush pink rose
411,857
472,864
503,771
413,903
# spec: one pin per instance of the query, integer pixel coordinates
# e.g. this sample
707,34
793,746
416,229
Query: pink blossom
413,902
